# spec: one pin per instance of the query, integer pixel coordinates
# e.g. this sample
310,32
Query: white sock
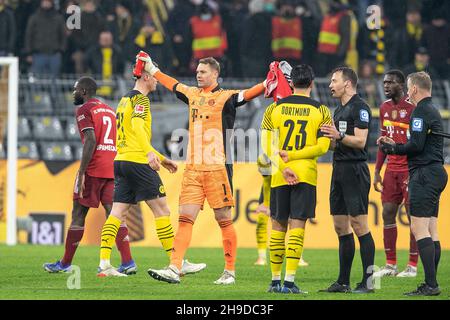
276,278
231,272
262,253
104,264
289,277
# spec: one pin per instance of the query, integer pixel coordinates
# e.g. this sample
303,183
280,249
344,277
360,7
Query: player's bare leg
229,240
171,274
73,238
390,239
109,232
127,265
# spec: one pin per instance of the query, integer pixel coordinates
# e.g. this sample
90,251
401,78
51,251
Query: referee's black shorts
293,202
425,187
134,182
350,186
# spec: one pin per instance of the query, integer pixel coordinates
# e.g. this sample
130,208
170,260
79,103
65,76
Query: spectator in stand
255,45
80,40
287,33
178,20
7,30
104,58
436,38
208,34
125,27
45,39
368,82
153,36
234,14
334,38
421,63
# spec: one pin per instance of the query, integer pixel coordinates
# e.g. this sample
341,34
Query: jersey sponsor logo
139,109
403,113
81,117
343,126
364,115
417,124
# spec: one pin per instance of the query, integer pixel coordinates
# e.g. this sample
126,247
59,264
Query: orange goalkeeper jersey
211,120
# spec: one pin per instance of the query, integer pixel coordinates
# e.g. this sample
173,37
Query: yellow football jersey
295,123
134,128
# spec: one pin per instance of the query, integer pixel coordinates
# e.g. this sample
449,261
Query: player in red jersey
95,178
395,114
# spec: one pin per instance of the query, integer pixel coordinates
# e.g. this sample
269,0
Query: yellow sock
277,250
109,233
261,232
294,251
165,234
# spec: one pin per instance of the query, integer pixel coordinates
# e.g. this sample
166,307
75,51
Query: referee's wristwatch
341,136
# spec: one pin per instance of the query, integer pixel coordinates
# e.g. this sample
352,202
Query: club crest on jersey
394,114
343,126
364,115
139,109
403,113
417,124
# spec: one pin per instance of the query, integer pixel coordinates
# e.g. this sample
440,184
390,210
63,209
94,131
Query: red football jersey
394,123
97,115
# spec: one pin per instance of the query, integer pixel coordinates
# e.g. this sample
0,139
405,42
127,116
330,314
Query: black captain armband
387,148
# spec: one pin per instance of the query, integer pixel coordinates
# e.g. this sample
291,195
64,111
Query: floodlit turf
22,276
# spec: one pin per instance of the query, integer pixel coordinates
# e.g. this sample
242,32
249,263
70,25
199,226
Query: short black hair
398,74
348,74
302,76
88,84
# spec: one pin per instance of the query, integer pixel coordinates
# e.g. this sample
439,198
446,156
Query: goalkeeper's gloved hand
387,148
149,65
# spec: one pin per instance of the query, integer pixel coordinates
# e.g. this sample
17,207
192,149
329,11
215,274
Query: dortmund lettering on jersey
295,122
133,135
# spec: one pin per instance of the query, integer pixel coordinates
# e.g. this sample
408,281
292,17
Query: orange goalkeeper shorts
215,186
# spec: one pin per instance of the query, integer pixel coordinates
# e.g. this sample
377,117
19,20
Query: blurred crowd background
245,35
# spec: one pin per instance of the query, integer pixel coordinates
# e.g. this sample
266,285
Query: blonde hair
421,79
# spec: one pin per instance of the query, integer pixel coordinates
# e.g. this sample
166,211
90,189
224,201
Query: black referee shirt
423,148
354,114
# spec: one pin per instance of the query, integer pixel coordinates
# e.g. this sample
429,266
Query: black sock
346,254
427,256
288,284
437,254
276,282
367,250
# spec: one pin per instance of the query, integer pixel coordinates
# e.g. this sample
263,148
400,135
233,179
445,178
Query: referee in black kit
427,176
350,182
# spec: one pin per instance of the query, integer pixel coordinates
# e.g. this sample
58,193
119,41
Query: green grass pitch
22,276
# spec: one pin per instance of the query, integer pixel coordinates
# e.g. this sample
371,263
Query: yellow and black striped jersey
294,124
134,128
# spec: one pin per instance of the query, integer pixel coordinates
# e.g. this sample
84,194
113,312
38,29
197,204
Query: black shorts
134,182
425,187
294,202
350,186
